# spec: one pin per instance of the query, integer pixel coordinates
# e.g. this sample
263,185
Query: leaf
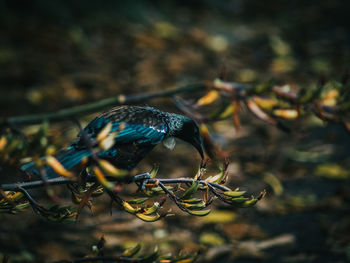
159,190
151,257
332,171
239,199
193,201
58,167
108,142
265,103
191,190
198,212
186,259
152,209
3,142
111,169
275,184
132,251
220,217
129,208
154,170
289,114
211,239
210,97
104,132
194,206
234,193
102,179
148,218
248,203
138,200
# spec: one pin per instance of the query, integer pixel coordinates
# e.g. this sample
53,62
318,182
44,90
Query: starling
138,131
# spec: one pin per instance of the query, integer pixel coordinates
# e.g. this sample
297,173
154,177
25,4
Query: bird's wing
137,125
127,133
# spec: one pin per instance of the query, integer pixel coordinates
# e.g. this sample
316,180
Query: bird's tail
68,157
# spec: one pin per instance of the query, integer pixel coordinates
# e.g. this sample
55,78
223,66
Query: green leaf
198,212
234,193
138,200
191,190
132,251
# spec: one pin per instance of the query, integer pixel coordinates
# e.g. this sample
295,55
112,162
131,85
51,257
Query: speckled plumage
139,130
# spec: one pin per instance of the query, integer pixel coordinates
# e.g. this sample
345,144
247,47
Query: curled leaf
58,167
148,218
198,212
129,208
248,203
152,209
132,251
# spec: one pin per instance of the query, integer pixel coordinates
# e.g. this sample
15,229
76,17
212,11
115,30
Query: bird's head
187,130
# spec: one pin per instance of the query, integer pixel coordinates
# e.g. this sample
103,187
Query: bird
138,129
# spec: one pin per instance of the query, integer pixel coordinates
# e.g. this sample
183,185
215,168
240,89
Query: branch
65,180
98,105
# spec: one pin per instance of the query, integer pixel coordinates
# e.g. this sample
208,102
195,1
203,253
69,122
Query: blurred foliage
55,54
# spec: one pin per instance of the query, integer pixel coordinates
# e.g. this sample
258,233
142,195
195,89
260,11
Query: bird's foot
141,180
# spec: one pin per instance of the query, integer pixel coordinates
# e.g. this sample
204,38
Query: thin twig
98,105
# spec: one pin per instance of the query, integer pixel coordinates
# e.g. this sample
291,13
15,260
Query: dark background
56,54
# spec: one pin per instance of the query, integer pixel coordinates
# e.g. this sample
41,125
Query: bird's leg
141,180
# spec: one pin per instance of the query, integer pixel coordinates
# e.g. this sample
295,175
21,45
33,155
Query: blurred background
57,54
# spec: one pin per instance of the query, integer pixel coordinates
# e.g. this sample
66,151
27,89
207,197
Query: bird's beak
198,144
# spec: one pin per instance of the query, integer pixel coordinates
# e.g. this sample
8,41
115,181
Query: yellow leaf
210,97
107,142
333,171
265,103
102,179
132,250
211,239
148,218
3,142
286,113
111,169
275,184
104,132
234,193
220,217
330,98
58,167
129,208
